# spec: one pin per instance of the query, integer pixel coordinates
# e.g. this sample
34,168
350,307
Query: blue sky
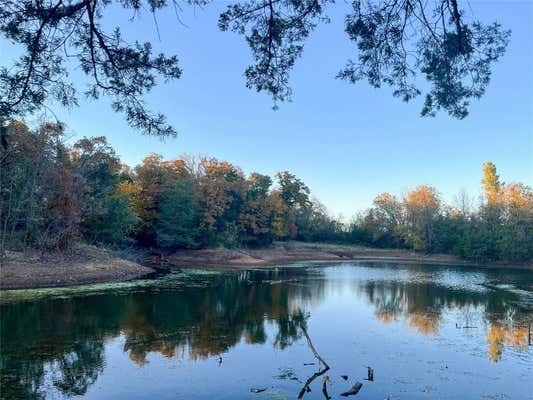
347,142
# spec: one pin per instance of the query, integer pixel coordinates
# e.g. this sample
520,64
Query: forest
55,194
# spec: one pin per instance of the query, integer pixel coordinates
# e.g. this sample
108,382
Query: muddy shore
80,266
88,264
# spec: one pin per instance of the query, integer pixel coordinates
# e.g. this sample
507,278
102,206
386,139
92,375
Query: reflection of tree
54,335
499,335
421,306
209,321
425,323
79,369
66,336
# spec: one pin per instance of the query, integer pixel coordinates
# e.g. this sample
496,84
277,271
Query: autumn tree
491,183
220,189
261,217
149,181
388,216
516,240
422,210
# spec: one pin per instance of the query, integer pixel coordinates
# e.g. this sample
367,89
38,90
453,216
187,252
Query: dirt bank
82,265
290,252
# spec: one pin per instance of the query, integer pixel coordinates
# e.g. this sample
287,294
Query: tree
315,224
491,183
54,34
463,203
395,40
388,216
422,210
52,195
259,185
105,216
398,39
261,215
149,181
114,225
516,240
39,201
177,226
295,195
220,191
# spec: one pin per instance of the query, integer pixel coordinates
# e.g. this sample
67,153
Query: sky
346,142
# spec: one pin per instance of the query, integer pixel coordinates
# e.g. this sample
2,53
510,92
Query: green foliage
178,223
293,192
114,225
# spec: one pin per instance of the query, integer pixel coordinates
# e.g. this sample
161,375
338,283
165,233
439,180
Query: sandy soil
82,265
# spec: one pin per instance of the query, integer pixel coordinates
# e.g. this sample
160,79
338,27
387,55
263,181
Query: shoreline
89,264
294,252
83,265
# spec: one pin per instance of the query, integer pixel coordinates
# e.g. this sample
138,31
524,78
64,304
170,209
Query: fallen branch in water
305,388
310,343
308,382
325,389
353,390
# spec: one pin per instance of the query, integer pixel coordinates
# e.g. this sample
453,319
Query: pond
427,332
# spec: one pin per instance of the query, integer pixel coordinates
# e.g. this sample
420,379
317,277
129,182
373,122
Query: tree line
54,194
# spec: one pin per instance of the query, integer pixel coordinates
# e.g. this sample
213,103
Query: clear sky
347,142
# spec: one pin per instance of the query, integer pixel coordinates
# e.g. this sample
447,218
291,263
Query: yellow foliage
491,183
499,335
425,323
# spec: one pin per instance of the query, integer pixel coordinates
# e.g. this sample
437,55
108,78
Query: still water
428,332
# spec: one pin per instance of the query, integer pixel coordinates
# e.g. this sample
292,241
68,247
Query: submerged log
353,390
325,389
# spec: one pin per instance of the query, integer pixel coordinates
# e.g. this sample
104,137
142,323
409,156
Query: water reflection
499,335
59,344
